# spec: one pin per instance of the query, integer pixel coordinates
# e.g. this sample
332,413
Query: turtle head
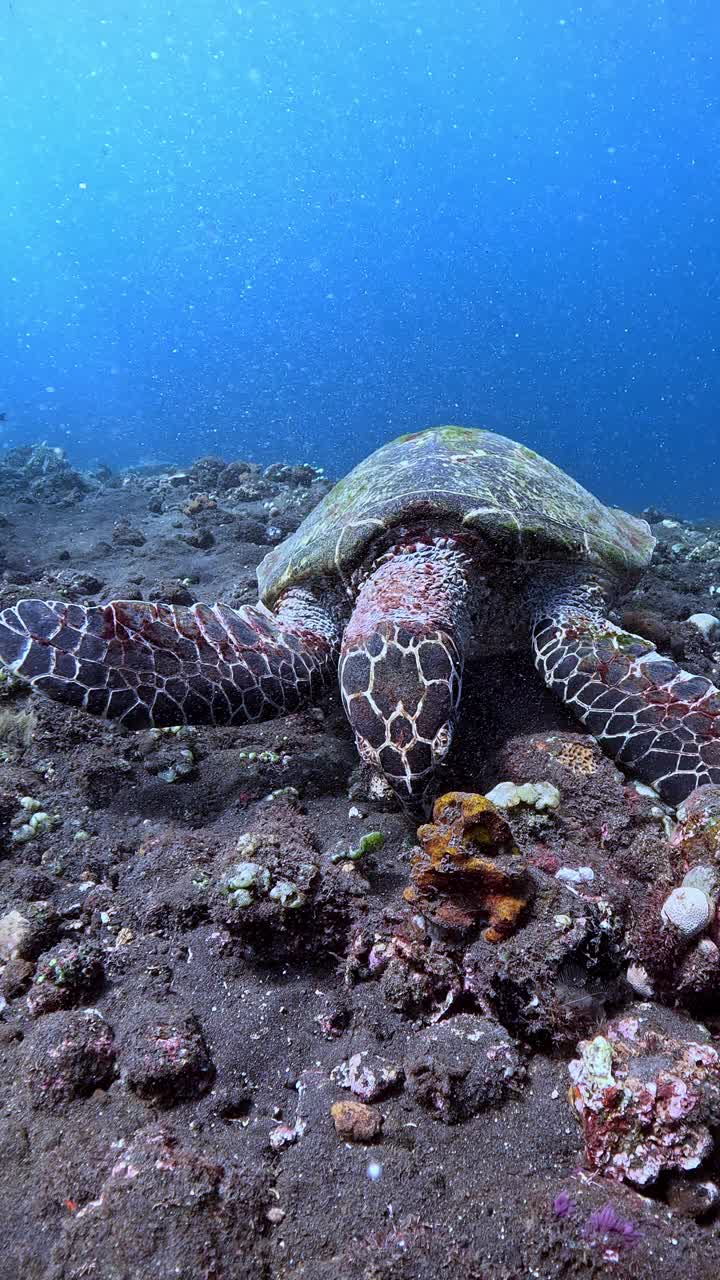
400,687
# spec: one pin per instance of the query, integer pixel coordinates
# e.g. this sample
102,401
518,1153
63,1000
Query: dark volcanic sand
184,1129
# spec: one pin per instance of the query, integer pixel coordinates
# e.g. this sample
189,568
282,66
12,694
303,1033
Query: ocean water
291,230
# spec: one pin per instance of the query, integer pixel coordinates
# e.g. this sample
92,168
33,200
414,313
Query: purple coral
563,1205
607,1227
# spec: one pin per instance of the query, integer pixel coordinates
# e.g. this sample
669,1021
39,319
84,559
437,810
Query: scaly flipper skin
401,662
158,664
658,721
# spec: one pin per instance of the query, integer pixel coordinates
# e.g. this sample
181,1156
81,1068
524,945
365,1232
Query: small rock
695,981
575,875
706,878
706,623
356,1122
167,1059
462,1066
24,935
14,929
16,978
253,531
537,795
335,1022
286,1135
125,535
65,976
69,1056
638,978
697,834
695,1198
201,539
88,583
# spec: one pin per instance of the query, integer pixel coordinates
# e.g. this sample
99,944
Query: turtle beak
416,791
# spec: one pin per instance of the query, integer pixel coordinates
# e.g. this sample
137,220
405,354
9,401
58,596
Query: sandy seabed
289,1072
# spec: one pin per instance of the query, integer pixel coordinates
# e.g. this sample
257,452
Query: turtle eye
442,740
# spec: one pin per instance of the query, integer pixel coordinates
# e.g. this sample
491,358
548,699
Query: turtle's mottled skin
443,543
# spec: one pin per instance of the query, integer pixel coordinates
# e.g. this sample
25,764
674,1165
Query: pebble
693,1199
575,875
356,1122
368,1076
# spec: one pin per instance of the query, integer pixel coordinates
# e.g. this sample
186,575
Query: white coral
706,623
688,909
538,795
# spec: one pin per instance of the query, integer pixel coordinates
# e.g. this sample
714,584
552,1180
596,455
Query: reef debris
463,1066
647,1094
675,941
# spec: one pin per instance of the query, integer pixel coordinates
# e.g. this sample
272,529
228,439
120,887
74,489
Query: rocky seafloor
254,1024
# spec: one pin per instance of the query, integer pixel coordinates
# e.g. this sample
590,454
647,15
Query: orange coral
577,757
464,869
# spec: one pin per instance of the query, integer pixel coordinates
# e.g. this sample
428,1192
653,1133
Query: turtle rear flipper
159,664
656,720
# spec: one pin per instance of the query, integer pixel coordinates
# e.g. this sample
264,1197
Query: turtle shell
456,480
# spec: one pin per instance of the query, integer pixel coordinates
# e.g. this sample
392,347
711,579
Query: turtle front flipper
401,662
658,721
159,664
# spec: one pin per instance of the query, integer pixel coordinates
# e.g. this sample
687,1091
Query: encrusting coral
646,1097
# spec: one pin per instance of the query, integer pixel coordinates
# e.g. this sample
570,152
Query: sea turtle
443,543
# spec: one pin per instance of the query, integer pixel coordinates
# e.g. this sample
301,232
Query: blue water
291,230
